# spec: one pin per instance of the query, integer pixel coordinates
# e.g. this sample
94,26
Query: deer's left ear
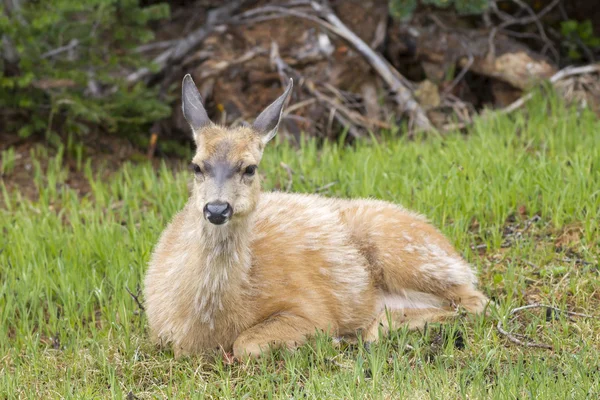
267,122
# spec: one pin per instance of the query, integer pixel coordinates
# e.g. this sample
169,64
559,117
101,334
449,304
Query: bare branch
560,75
214,23
290,174
514,337
72,45
404,96
393,78
136,298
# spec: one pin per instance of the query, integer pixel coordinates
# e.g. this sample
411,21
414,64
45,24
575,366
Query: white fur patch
409,299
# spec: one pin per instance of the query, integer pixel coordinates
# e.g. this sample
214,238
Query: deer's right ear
191,104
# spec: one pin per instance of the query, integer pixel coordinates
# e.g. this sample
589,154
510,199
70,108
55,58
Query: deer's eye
196,168
250,170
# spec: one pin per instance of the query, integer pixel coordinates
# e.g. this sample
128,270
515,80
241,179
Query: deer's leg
447,281
413,318
279,331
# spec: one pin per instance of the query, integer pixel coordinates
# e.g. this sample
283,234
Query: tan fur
286,265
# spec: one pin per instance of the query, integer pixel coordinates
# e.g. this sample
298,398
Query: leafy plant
71,59
403,9
576,35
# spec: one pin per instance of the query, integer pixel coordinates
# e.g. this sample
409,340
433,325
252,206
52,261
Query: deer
247,272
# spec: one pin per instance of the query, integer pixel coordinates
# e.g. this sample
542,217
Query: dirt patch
105,153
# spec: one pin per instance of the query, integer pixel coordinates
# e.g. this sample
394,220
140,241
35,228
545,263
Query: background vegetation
67,67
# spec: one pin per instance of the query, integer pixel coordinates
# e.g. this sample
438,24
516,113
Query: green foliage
403,9
69,329
576,33
96,39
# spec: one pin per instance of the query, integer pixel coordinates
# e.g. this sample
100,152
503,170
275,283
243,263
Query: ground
518,195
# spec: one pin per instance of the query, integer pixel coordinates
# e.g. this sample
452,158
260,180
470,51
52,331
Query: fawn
242,270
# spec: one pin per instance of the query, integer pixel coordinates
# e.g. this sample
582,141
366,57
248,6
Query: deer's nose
217,212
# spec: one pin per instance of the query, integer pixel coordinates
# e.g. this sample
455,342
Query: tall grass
69,328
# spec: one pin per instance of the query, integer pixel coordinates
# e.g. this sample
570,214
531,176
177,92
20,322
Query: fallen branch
290,174
136,298
403,95
283,68
214,23
388,73
520,339
220,66
72,45
560,75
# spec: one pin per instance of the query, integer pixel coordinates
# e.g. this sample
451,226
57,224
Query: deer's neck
225,262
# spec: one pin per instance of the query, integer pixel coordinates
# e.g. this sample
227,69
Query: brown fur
286,265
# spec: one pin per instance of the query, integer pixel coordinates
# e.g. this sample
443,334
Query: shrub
403,9
72,58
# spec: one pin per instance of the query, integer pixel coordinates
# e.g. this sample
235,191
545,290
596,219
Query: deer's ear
191,104
267,122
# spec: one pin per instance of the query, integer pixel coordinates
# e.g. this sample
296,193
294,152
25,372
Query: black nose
217,212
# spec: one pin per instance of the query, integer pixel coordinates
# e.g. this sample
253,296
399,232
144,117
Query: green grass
518,195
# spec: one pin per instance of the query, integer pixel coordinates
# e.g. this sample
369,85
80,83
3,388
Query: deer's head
226,183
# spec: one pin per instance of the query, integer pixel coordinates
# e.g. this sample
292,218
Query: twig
404,96
290,174
325,187
224,65
72,44
136,298
183,46
462,73
282,67
513,336
299,105
393,78
560,75
509,20
155,45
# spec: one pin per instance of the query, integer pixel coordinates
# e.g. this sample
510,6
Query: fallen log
503,58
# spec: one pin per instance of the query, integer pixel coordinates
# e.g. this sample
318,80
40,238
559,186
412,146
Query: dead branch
520,339
509,20
214,23
136,298
560,75
283,68
154,46
290,174
71,46
353,116
403,96
393,78
223,65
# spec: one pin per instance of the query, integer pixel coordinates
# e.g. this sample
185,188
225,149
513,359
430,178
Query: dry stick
388,73
404,96
290,174
562,74
282,66
136,298
186,44
224,65
513,337
510,20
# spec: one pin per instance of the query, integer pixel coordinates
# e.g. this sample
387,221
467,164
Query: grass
518,195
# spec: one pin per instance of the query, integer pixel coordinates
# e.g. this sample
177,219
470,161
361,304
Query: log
504,59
